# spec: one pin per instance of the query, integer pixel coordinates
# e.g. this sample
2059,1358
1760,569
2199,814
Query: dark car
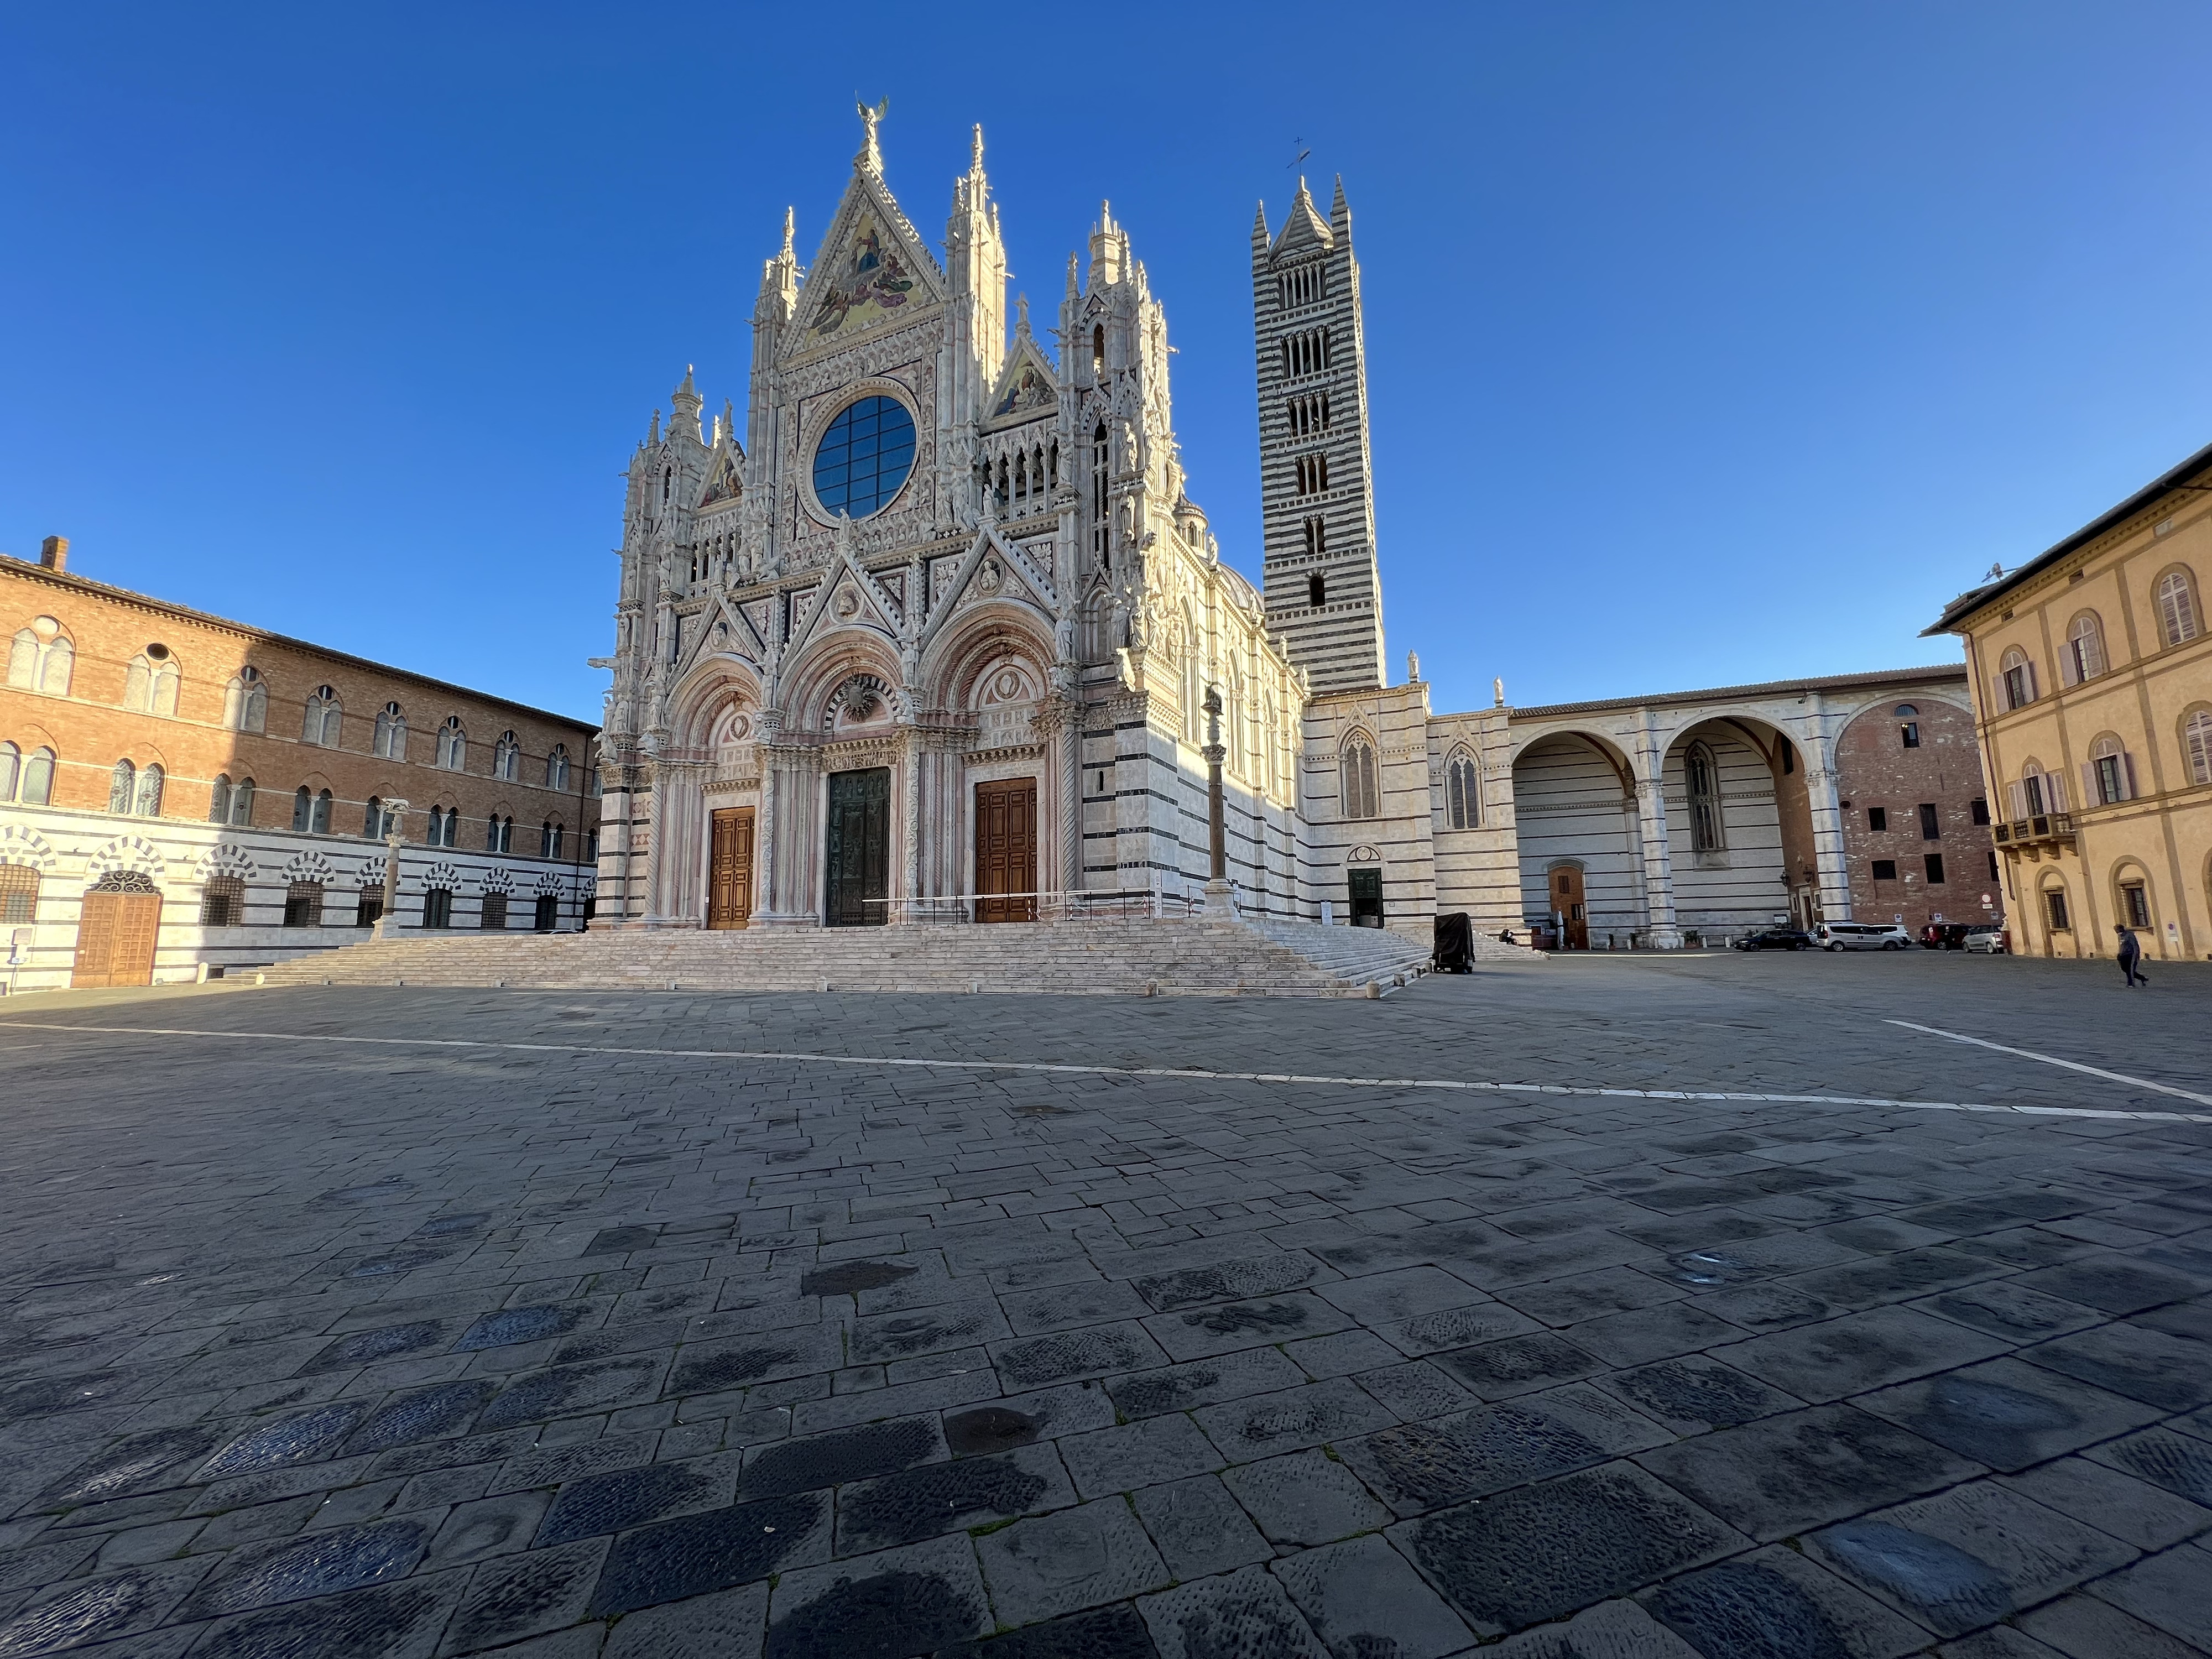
1944,936
1779,939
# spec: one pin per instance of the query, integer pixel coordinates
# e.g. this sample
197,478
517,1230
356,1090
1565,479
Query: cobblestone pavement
319,1346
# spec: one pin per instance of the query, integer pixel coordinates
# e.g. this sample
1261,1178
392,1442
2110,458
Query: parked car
1860,936
1988,938
1944,936
1778,939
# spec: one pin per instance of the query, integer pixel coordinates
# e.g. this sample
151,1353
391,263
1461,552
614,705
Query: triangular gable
1305,227
1027,385
876,609
873,269
724,477
1020,579
742,640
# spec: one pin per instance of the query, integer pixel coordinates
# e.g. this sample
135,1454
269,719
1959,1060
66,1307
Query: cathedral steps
1199,956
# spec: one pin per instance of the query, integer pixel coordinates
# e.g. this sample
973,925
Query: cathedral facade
931,633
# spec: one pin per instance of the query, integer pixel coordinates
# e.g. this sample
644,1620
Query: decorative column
767,729
390,919
1219,896
910,831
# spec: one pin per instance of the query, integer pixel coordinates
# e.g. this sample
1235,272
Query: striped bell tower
1323,587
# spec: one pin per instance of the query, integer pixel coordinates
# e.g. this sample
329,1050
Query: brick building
1916,820
180,794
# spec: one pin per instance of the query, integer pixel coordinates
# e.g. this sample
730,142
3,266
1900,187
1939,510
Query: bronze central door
116,933
1567,901
730,868
1007,850
857,864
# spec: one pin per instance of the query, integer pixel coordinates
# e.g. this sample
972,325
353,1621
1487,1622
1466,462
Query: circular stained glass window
864,457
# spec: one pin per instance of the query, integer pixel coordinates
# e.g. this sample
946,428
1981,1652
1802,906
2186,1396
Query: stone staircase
1168,957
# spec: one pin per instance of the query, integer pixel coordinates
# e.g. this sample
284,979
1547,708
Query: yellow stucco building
2091,667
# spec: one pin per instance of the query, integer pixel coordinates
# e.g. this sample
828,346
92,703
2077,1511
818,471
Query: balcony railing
2047,826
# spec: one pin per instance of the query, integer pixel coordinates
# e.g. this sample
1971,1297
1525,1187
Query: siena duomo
929,634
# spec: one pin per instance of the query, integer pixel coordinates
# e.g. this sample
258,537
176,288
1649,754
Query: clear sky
1707,344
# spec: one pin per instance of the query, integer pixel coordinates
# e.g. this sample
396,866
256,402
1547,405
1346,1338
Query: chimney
53,553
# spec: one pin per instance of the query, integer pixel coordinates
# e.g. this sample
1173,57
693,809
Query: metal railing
1079,904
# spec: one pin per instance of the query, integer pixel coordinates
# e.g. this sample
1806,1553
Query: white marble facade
1035,599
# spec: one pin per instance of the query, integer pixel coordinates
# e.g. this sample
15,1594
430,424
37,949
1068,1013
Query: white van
1860,936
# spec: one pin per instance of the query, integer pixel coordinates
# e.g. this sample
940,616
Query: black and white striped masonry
1323,588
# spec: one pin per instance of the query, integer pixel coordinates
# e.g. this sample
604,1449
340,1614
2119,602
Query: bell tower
1322,586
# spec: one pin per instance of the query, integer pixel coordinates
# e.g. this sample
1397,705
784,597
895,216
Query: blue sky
1708,343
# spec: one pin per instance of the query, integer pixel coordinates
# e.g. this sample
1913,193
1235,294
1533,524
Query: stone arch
21,844
864,699
548,884
310,865
1574,800
497,879
1739,823
705,697
227,858
127,853
965,660
829,666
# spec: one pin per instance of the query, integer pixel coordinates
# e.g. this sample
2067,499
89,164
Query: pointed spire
1021,316
790,233
687,389
1072,259
1336,208
652,432
975,155
729,422
1260,226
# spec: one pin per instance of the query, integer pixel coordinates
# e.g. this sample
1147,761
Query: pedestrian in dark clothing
2131,954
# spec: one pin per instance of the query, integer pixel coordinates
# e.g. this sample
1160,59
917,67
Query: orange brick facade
90,728
1877,772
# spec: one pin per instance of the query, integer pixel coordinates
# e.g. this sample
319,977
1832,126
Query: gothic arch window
146,801
245,701
219,799
2082,657
1316,590
1362,796
242,802
1312,474
2177,607
549,839
390,740
1704,775
311,810
2016,680
556,768
444,824
320,726
499,835
1316,530
2197,744
149,684
11,767
1101,463
1462,792
506,757
121,784
376,822
40,659
37,788
1098,350
452,745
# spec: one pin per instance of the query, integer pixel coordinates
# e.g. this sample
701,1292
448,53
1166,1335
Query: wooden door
1568,903
857,865
730,868
1366,889
1007,850
115,939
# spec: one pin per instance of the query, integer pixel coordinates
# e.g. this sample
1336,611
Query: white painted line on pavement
1186,1074
2053,1060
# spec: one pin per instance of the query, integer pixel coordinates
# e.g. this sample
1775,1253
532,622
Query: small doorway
730,868
1570,907
857,864
1366,897
115,937
1007,850
547,915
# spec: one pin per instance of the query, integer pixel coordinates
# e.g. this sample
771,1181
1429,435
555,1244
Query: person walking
2131,954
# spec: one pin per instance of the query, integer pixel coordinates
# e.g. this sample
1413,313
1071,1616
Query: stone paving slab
316,1348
